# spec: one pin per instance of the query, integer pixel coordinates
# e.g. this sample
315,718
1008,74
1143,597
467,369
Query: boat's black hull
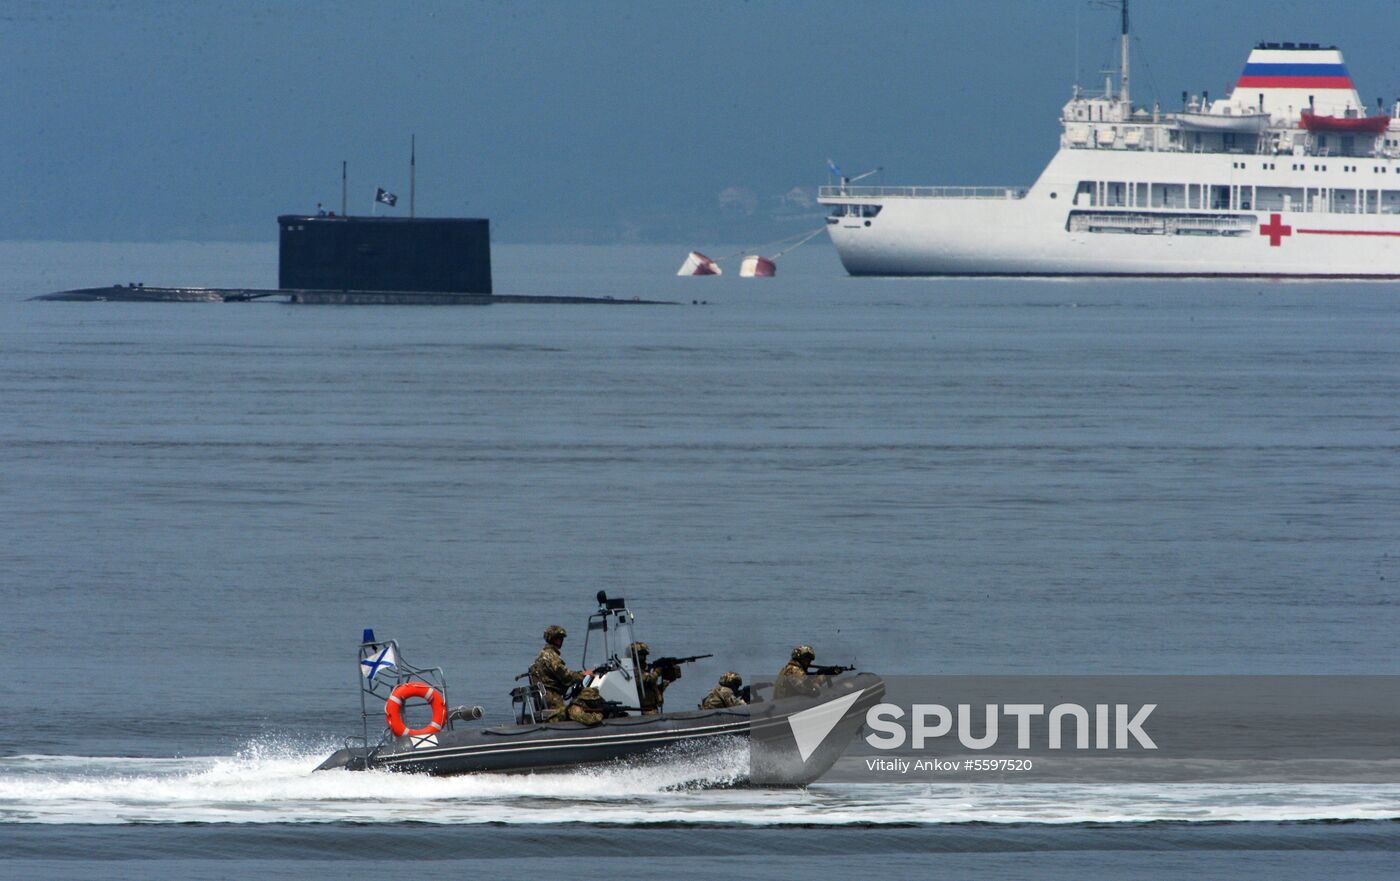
763,727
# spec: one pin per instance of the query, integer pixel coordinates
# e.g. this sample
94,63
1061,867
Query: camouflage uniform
587,708
793,679
654,680
723,695
552,675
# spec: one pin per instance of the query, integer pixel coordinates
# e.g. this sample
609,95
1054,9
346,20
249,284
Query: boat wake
274,783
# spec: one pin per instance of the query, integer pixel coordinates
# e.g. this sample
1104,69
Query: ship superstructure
1288,175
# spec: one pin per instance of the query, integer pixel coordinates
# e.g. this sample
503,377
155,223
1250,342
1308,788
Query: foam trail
274,783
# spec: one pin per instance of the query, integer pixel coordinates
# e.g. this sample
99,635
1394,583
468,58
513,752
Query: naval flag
380,195
371,666
834,168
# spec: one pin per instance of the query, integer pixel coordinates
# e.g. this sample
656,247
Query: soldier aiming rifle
801,677
657,675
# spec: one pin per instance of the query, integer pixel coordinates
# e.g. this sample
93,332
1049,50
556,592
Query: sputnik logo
810,727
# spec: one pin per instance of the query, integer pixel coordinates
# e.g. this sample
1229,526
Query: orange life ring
393,708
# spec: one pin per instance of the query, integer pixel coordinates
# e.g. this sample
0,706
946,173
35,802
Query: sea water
201,506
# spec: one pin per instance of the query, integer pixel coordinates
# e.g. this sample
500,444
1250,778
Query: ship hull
1054,228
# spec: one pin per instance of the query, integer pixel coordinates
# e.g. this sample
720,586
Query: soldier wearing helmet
793,679
725,694
552,675
587,707
654,680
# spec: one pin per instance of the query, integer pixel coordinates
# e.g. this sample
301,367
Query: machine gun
614,710
832,670
670,661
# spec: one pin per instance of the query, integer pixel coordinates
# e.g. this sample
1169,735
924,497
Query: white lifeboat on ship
1250,123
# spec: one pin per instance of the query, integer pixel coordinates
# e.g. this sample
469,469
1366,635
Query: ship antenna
1076,50
412,175
342,188
1123,73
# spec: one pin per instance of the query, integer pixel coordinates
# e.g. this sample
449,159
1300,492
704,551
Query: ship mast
1123,67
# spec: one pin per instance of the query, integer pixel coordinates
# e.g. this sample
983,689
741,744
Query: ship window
869,210
1086,189
1168,196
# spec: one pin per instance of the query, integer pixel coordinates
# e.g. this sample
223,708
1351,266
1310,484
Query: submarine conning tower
450,255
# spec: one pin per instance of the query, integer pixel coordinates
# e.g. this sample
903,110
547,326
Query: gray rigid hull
765,726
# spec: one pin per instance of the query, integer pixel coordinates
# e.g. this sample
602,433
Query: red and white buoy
755,266
698,264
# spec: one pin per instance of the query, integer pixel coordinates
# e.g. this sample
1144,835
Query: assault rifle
670,661
832,670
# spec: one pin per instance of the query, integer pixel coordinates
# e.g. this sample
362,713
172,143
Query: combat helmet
589,695
731,680
553,632
639,648
804,652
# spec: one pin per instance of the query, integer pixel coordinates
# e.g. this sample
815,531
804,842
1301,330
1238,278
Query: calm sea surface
201,506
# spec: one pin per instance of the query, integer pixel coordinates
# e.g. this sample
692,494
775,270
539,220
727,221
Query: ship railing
922,192
375,689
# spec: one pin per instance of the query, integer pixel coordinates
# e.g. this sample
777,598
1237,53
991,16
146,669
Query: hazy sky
581,121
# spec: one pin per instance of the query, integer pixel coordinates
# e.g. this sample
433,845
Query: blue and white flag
371,666
834,170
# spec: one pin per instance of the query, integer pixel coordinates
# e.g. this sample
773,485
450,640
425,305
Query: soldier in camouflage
793,679
654,679
587,707
725,694
552,675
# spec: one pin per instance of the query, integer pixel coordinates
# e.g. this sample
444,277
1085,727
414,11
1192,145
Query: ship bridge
1293,99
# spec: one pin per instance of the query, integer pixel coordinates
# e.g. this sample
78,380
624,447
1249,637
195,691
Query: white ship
1287,176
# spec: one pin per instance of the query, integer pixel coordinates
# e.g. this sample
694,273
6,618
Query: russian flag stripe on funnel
1294,82
1295,76
1255,69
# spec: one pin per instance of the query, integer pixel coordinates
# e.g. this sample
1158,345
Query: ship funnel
1292,75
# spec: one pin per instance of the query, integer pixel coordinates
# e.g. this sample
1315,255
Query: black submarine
330,259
